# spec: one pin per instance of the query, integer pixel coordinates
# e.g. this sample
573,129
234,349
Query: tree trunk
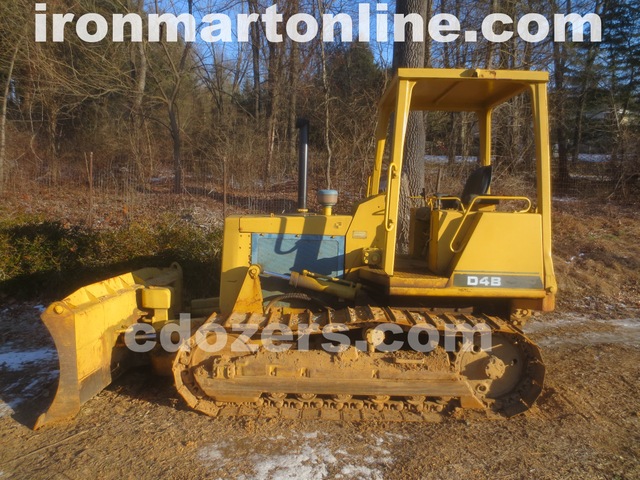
586,85
294,69
177,146
563,178
54,163
273,111
255,58
3,117
452,137
411,54
139,61
325,90
491,46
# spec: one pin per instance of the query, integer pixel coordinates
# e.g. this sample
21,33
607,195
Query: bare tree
139,69
169,83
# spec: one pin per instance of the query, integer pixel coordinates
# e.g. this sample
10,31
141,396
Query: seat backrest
477,184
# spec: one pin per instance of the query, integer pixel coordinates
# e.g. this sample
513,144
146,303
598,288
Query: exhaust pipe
303,163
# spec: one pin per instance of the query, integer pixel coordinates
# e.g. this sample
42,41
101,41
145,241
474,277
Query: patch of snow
563,199
5,410
359,472
631,337
49,376
8,406
536,326
445,159
211,454
396,436
28,384
305,455
591,338
16,360
593,157
309,463
40,308
626,331
633,323
569,320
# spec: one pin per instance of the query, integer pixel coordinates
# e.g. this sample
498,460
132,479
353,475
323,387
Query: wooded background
123,117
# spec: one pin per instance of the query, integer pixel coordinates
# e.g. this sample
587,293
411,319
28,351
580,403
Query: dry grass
597,256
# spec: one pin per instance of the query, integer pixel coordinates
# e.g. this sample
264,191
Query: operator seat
477,183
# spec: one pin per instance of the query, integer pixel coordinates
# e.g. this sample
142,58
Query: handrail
388,223
484,197
435,200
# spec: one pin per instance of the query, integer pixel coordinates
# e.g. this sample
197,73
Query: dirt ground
586,425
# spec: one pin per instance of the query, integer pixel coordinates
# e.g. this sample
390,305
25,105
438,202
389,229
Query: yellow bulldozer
320,317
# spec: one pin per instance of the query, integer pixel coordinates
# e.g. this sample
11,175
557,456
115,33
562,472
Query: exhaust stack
303,163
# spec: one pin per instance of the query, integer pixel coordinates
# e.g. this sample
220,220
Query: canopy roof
461,90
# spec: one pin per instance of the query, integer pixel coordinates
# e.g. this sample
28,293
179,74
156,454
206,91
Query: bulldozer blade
86,328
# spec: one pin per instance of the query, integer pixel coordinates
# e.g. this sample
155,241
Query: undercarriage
358,363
